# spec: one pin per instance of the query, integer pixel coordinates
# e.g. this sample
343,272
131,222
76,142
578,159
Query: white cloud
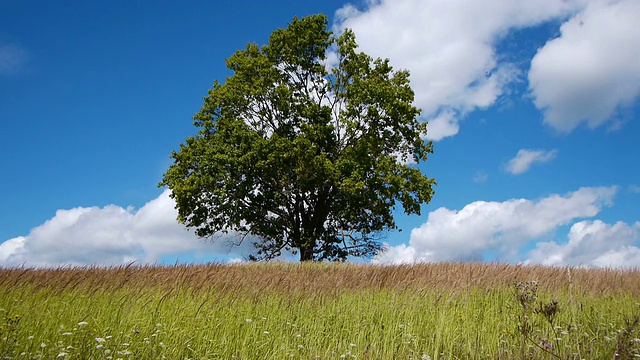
498,227
480,177
525,158
12,59
449,47
442,126
111,235
593,243
10,247
401,254
592,69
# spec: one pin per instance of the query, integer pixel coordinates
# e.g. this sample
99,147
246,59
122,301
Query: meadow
320,311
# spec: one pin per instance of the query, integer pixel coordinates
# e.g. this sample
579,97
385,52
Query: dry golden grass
328,277
319,311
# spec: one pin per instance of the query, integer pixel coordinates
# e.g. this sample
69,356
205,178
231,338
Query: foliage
301,153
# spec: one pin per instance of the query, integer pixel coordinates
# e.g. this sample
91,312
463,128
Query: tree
307,147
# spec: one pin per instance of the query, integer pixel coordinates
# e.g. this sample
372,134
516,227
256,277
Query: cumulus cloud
502,228
443,125
12,59
523,160
112,235
449,47
592,69
593,243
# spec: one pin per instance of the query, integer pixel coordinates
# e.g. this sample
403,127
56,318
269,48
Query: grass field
320,311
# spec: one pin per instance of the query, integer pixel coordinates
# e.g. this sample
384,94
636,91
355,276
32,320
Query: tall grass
318,311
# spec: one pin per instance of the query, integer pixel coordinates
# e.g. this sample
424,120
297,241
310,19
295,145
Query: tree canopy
308,146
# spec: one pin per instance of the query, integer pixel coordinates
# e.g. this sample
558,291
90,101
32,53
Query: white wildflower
83,323
61,355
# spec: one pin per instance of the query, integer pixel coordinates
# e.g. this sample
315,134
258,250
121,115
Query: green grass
43,318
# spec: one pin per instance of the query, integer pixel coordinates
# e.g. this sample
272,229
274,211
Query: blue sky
533,108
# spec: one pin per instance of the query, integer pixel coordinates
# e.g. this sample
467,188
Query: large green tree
308,146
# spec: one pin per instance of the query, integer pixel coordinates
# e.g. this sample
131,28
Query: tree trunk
306,253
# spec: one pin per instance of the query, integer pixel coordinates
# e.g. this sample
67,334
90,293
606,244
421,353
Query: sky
533,108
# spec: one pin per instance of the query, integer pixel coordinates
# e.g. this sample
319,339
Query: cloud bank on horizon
506,228
585,76
113,235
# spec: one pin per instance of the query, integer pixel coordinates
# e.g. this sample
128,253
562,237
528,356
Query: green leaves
303,158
